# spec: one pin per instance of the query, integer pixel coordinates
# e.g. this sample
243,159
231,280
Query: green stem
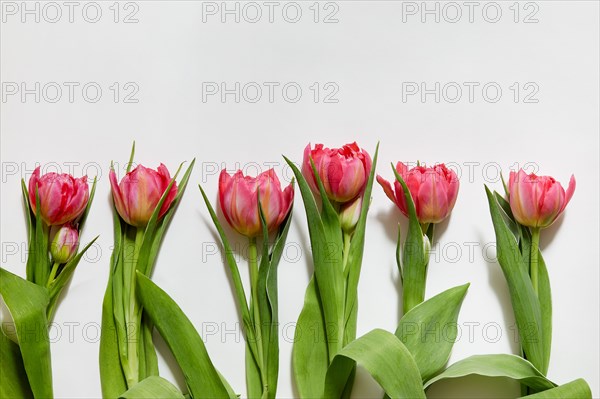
533,267
341,330
52,276
132,319
253,263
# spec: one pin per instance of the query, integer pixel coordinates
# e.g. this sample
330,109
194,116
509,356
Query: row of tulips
335,185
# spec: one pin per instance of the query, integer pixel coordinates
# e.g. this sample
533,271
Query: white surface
369,53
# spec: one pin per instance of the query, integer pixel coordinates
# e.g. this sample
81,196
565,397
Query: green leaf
40,247
385,358
63,278
399,254
13,383
131,155
112,378
166,219
526,305
31,260
429,330
254,385
153,387
500,365
86,212
414,258
185,343
523,235
545,298
327,260
235,275
575,389
309,354
144,263
268,301
355,255
27,303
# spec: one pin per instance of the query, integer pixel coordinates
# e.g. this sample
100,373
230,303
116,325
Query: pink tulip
537,201
343,171
65,243
139,192
239,201
63,198
433,191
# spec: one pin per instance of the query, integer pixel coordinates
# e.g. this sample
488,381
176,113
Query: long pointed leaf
153,388
27,303
385,358
185,343
309,355
355,256
430,329
414,258
500,365
13,381
575,389
326,252
526,305
112,377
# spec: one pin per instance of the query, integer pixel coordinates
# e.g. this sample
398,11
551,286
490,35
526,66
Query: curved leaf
326,247
14,383
575,389
185,343
526,305
27,303
153,387
498,365
112,377
385,358
429,330
309,353
355,256
414,258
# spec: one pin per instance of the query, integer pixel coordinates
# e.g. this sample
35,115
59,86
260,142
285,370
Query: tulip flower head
65,243
139,192
238,198
343,171
433,190
63,198
537,201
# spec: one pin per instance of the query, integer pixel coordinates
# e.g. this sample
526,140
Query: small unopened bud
349,215
426,248
65,243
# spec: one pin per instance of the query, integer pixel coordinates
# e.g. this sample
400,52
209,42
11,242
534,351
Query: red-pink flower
63,198
139,192
433,191
238,197
537,201
343,171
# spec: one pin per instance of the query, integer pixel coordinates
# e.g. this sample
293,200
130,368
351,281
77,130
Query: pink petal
117,197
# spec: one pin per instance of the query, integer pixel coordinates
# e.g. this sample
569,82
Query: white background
369,54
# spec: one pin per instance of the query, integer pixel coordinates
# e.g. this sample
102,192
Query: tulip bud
349,215
65,243
426,248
